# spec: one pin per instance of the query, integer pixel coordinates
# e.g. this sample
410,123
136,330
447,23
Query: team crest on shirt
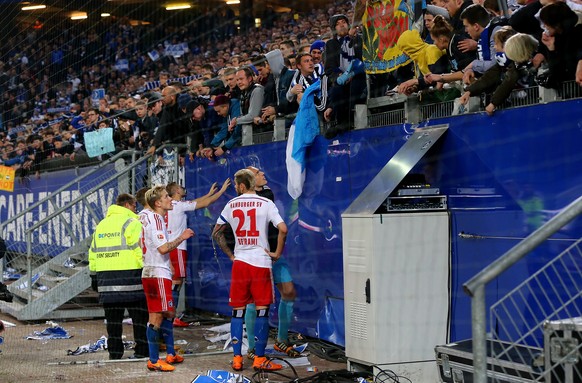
160,236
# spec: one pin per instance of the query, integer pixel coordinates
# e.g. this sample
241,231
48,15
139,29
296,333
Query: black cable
291,378
387,376
320,348
336,376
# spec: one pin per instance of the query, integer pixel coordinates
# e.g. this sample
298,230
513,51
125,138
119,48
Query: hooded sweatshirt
422,53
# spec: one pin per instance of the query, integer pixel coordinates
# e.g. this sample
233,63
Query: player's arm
218,236
171,245
281,237
212,195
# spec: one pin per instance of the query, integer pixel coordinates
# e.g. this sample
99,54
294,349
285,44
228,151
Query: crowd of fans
50,82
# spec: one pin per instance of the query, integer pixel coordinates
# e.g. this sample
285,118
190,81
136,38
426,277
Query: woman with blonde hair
514,55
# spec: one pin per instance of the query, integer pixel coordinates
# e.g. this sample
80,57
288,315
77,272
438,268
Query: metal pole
176,165
503,7
478,322
29,264
132,179
84,362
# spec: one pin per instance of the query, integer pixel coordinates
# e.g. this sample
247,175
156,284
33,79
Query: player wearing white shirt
250,215
157,277
156,265
177,223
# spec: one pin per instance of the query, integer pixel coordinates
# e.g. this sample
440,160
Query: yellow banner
383,22
7,178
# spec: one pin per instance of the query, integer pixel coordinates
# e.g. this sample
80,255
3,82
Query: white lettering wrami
248,241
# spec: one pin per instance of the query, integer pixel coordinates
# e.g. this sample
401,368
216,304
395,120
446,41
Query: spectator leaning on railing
563,38
251,100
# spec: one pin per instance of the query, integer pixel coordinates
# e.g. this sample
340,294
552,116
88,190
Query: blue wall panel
523,155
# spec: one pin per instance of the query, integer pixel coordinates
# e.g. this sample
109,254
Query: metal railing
476,286
406,109
79,216
66,220
398,109
13,228
533,313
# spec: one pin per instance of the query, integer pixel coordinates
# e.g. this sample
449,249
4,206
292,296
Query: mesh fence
539,323
66,217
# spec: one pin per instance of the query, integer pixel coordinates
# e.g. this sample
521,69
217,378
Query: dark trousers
343,98
138,312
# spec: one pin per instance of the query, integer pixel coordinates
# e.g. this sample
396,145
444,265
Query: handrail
96,167
65,187
95,188
475,287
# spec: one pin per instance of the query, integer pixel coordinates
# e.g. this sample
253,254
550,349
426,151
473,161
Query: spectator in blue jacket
228,136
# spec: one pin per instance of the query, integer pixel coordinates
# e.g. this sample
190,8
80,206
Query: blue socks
261,331
152,334
285,317
236,331
176,295
167,330
250,317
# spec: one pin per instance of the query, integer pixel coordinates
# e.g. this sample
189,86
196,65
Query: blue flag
301,135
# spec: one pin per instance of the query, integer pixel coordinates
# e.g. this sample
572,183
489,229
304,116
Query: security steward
115,263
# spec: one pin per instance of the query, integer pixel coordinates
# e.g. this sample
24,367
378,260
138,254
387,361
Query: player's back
250,215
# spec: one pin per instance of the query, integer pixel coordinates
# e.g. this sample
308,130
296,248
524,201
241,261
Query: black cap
191,105
183,100
213,83
333,20
154,97
217,91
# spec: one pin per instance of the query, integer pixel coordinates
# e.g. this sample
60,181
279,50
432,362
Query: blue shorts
281,272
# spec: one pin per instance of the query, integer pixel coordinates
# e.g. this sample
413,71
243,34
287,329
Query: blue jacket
231,139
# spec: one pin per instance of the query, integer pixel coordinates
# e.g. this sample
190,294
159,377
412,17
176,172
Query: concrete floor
25,361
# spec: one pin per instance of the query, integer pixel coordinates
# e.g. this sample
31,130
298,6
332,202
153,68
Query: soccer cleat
174,359
251,354
161,365
261,363
180,323
237,363
289,350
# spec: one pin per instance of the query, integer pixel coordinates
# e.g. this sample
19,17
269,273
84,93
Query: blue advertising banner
28,191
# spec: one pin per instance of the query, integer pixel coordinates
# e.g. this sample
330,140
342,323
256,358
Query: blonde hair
245,177
154,194
520,47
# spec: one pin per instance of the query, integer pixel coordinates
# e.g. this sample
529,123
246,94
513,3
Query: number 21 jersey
249,215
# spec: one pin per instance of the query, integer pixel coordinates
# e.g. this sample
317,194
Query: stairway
59,289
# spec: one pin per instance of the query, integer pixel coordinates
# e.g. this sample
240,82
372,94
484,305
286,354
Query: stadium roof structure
142,10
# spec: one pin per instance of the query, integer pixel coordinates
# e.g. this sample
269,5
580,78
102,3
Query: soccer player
157,277
283,281
250,215
177,223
